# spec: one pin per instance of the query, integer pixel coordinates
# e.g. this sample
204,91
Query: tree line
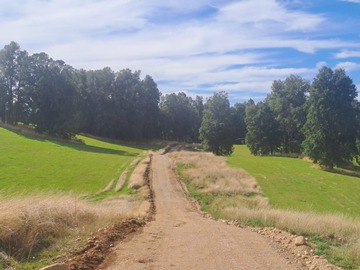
62,101
319,119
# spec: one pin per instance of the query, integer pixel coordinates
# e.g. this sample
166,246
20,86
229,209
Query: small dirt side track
180,237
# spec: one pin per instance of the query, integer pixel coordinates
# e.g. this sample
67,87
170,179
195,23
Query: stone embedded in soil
300,240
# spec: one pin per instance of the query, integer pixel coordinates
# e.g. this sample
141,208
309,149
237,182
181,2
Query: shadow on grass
345,171
141,145
77,144
348,170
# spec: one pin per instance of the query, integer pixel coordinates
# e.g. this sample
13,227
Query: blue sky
195,46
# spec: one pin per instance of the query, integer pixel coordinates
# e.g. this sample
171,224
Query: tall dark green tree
216,131
13,63
180,117
287,101
238,120
135,105
263,136
331,126
95,88
55,99
149,107
198,104
119,104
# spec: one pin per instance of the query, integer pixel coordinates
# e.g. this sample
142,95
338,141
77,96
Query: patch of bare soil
98,246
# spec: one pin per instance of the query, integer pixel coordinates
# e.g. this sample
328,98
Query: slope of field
295,184
30,163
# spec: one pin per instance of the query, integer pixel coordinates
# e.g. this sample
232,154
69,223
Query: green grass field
295,184
30,163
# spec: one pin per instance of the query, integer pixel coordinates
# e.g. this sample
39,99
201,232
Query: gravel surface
179,237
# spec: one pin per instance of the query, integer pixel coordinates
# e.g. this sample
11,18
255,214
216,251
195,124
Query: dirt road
181,238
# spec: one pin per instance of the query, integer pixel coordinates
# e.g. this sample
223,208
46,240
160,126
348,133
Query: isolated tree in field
216,131
263,136
287,101
331,126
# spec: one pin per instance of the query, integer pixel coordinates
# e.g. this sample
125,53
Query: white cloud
352,1
320,64
347,54
163,39
248,80
348,66
238,25
269,15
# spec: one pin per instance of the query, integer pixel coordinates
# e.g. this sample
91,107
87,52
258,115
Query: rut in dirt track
181,238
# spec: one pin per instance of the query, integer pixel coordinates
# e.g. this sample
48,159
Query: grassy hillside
29,163
295,184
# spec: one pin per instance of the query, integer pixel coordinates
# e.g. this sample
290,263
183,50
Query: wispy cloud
271,16
348,66
352,1
200,45
347,54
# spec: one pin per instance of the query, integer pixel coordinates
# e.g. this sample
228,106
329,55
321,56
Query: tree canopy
262,137
216,131
180,117
331,127
287,103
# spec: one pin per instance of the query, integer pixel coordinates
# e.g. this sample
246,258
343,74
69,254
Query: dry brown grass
137,179
210,174
305,223
122,179
32,222
108,187
340,228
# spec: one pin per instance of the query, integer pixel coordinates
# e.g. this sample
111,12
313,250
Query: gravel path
181,238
